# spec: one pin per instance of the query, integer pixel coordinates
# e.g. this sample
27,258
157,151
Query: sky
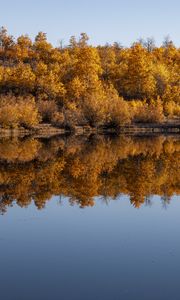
123,21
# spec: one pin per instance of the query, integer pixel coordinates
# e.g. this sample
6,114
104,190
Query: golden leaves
102,83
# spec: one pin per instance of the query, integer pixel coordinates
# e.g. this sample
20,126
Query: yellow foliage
9,116
18,112
104,85
105,107
151,113
19,77
137,80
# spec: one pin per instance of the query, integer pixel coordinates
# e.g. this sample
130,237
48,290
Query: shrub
172,109
58,119
74,116
119,113
94,109
18,111
47,109
151,113
28,113
9,116
105,107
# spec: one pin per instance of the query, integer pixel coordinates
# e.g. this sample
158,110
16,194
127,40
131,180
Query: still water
90,218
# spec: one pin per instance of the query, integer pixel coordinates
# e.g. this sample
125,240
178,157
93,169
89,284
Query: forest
80,84
84,170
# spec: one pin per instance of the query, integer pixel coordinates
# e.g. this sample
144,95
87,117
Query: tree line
81,84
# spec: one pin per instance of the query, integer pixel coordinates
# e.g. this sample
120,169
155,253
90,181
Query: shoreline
134,129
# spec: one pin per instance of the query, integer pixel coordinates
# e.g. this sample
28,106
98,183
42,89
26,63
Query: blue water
110,251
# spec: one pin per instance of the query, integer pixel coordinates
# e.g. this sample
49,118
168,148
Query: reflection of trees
82,168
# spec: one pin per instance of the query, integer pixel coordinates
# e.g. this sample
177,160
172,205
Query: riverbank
136,128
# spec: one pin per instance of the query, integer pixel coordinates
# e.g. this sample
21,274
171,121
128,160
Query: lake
90,217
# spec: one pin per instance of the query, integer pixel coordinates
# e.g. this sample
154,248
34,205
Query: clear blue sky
104,21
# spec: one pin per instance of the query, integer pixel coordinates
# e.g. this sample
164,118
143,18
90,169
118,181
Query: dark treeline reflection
82,168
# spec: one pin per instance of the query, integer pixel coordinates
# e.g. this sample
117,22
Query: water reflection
82,168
